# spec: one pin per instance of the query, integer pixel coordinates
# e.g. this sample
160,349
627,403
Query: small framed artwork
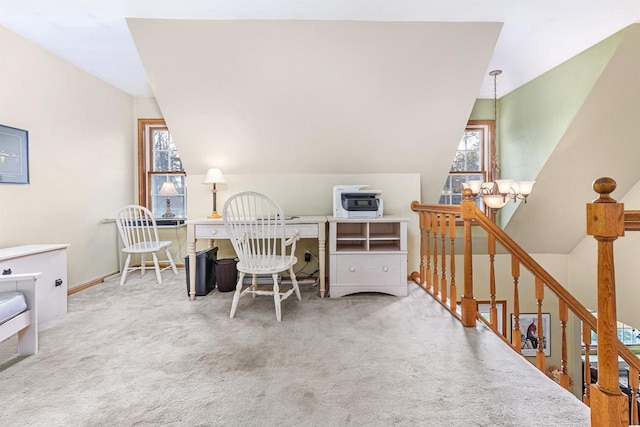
532,335
485,306
14,155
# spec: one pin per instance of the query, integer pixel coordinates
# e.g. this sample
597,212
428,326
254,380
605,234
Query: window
627,334
471,161
159,162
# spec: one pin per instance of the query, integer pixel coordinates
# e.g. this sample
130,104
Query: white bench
24,324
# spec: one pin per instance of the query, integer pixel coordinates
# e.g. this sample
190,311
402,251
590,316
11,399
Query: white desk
310,227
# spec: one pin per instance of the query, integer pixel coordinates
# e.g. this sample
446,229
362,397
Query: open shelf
367,235
351,230
384,245
368,255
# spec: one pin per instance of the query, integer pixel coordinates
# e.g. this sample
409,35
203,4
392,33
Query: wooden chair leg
294,282
173,264
123,278
156,265
276,297
254,284
236,295
143,264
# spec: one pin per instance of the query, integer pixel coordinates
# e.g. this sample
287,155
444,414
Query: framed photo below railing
532,334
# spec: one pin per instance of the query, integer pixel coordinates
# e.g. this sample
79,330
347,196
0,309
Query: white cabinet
51,287
368,255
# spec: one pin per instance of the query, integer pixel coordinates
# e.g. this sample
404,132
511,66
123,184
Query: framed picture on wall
484,309
531,335
14,155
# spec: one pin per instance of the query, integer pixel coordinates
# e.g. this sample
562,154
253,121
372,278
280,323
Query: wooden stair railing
605,221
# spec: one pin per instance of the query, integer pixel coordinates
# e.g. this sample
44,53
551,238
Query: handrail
574,305
536,269
524,258
433,228
632,220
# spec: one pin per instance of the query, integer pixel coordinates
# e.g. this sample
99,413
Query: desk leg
322,243
191,252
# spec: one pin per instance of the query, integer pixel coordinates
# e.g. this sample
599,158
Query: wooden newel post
605,222
469,306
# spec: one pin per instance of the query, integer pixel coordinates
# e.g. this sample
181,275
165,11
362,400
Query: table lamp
213,176
168,189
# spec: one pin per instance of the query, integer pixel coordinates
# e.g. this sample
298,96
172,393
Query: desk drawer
369,269
307,231
213,231
217,231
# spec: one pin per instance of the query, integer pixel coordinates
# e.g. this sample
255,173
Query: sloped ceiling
602,140
329,97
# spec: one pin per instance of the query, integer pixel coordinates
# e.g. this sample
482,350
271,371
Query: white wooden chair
255,224
139,234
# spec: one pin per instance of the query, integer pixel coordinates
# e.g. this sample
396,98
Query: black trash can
226,274
205,271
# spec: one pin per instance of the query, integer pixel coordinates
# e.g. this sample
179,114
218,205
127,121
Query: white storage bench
51,261
17,319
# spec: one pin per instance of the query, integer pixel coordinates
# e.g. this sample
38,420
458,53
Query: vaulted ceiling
312,86
316,96
536,35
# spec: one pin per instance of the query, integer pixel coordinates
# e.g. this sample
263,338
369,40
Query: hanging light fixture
496,194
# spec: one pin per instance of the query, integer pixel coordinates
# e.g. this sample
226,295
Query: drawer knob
352,269
385,269
214,231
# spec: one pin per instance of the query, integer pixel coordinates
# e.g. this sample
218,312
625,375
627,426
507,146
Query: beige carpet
144,355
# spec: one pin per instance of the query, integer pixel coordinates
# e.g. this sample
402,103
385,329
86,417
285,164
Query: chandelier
496,194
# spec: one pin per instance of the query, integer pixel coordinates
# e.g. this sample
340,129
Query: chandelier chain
495,164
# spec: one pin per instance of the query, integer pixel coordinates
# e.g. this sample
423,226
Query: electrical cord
301,271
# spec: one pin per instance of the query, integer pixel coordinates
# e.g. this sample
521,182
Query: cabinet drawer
369,269
217,231
211,232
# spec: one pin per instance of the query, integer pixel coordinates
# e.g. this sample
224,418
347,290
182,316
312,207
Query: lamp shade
213,176
494,201
168,189
504,185
525,187
475,186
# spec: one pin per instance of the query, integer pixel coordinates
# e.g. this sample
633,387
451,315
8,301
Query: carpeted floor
144,355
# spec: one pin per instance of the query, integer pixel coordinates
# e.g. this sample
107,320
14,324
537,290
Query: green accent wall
533,118
482,110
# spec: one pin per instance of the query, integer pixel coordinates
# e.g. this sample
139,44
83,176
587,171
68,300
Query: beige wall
321,97
81,167
298,194
82,159
311,194
583,267
584,115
